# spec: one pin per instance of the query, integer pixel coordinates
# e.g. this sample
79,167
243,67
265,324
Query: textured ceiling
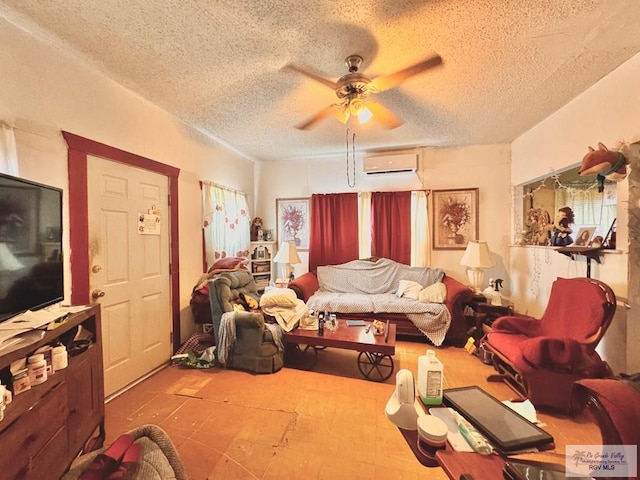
507,64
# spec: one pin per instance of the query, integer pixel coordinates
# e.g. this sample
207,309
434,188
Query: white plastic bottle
430,376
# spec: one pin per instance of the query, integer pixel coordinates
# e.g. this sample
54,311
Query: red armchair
614,404
541,358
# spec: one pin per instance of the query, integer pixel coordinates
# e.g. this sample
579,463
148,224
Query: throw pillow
229,264
278,297
435,293
408,289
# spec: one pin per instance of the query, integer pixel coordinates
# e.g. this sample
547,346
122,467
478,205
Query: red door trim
79,148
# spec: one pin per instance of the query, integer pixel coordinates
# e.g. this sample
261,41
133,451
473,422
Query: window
542,200
226,223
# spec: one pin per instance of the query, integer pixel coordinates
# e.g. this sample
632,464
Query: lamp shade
287,253
477,255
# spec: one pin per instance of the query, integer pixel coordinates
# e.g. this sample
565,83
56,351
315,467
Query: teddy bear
257,230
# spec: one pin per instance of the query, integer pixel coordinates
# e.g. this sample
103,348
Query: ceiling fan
354,90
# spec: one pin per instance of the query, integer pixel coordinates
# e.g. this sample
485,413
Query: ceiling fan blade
383,115
321,115
385,82
312,75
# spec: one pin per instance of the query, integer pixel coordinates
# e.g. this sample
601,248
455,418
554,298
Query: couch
365,289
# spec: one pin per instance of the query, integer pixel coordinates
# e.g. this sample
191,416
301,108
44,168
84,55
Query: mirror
545,200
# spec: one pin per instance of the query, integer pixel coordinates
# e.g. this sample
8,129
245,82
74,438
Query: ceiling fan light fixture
358,108
365,115
354,90
343,115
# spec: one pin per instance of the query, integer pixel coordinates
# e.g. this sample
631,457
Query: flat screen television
31,269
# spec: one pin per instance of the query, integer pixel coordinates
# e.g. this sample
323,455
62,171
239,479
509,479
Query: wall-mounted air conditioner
387,164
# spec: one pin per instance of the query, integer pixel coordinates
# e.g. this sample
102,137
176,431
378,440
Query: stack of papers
12,330
30,320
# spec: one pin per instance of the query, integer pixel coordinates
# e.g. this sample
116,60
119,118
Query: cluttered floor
328,423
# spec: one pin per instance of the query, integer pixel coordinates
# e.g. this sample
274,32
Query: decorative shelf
260,262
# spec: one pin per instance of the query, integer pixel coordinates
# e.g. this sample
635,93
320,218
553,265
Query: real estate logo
601,460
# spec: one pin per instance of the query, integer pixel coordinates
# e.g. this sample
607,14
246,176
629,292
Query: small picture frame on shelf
584,236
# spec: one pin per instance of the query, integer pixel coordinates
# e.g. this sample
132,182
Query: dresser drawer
26,437
46,463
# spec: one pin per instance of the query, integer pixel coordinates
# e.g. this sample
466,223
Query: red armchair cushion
525,325
555,355
551,353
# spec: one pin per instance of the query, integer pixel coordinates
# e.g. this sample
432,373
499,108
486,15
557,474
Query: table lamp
476,258
287,255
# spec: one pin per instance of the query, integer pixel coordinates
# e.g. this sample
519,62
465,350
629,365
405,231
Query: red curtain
391,225
334,229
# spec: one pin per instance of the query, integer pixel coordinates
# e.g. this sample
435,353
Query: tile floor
323,424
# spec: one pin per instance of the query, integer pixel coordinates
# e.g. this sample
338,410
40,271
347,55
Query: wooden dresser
46,427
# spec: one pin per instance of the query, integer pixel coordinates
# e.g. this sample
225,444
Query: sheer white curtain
420,252
364,224
8,151
226,223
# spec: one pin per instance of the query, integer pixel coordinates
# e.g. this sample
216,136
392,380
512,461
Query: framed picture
19,219
610,239
584,236
292,215
455,218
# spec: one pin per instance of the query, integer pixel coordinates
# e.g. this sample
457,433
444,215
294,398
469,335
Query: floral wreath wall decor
293,224
455,218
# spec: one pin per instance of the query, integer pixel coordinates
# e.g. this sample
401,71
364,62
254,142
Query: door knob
96,268
97,293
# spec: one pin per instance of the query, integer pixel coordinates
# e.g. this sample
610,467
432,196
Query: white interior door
129,270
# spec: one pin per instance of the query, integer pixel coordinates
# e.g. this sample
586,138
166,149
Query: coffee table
375,360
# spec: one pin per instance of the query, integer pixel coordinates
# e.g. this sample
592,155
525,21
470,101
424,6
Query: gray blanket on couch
362,286
381,276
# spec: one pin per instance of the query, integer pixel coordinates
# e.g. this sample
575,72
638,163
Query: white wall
607,112
44,91
486,167
447,168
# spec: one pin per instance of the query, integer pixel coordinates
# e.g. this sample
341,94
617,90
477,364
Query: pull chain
353,158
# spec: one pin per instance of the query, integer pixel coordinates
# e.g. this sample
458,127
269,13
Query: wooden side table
484,314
